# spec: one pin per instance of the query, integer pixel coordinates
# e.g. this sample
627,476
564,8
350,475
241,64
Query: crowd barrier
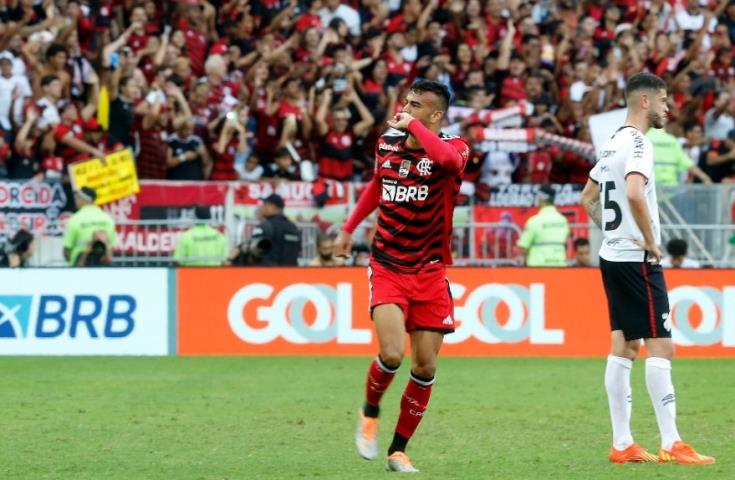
318,311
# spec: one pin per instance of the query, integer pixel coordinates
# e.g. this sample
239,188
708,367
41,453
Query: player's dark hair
437,88
677,247
581,242
643,81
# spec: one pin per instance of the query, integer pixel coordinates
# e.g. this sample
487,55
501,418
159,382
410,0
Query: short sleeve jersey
627,152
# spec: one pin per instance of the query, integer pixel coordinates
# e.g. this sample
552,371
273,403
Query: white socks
619,397
661,390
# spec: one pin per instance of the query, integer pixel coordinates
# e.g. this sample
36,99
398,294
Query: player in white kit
620,197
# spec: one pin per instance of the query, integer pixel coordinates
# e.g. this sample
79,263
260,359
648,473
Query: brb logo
394,192
502,313
703,316
285,314
53,316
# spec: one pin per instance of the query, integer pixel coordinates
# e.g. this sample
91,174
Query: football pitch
294,417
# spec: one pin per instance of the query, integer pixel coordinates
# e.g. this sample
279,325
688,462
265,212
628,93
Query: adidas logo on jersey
386,164
448,321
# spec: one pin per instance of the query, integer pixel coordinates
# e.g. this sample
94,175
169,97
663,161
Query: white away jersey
627,151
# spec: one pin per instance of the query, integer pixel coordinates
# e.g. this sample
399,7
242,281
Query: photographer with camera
17,250
90,233
201,245
276,240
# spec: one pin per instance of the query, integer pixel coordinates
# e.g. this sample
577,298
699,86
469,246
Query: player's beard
656,120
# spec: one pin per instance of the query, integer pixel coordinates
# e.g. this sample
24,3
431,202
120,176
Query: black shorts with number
637,299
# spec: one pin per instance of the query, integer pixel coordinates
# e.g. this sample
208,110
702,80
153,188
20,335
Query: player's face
423,106
658,109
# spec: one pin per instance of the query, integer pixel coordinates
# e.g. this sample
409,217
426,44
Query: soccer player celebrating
620,197
417,177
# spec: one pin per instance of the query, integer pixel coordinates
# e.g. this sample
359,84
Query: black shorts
637,299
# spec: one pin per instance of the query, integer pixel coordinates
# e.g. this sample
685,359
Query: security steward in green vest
201,245
544,239
90,233
670,161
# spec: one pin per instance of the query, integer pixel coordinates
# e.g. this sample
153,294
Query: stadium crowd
250,89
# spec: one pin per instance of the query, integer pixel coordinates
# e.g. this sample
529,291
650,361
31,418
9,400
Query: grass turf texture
283,418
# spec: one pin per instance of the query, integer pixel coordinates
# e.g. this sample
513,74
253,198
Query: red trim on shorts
651,310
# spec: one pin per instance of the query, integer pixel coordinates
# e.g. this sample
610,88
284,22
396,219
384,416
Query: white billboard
100,311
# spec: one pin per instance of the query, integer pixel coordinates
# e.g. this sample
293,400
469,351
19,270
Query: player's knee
391,358
424,370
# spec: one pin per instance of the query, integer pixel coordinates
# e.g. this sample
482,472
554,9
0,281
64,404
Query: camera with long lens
97,254
252,251
15,251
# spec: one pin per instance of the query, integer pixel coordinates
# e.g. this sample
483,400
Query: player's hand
400,121
654,251
343,245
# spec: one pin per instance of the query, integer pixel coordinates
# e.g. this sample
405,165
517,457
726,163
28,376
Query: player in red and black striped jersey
417,177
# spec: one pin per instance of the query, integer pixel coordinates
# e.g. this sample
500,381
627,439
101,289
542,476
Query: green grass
284,418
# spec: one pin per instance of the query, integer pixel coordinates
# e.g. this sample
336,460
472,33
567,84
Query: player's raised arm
444,153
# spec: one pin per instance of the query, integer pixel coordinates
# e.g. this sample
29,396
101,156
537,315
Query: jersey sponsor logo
402,194
404,168
424,167
392,148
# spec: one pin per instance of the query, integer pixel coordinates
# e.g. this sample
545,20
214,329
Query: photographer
18,250
90,233
276,240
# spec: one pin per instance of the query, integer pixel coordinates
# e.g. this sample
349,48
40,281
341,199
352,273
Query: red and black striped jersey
417,199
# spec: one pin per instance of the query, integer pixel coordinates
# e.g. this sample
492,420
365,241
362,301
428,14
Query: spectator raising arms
320,79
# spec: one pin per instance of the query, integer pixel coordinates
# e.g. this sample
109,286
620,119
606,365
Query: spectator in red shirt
138,39
69,135
721,159
509,75
231,146
398,68
336,154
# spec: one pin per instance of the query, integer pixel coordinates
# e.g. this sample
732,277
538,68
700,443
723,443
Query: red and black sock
378,379
414,402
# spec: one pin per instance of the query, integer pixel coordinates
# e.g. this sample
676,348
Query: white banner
105,311
603,125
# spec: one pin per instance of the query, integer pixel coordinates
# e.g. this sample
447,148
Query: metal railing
486,244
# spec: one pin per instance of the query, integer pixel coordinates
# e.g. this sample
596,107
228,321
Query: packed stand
300,90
